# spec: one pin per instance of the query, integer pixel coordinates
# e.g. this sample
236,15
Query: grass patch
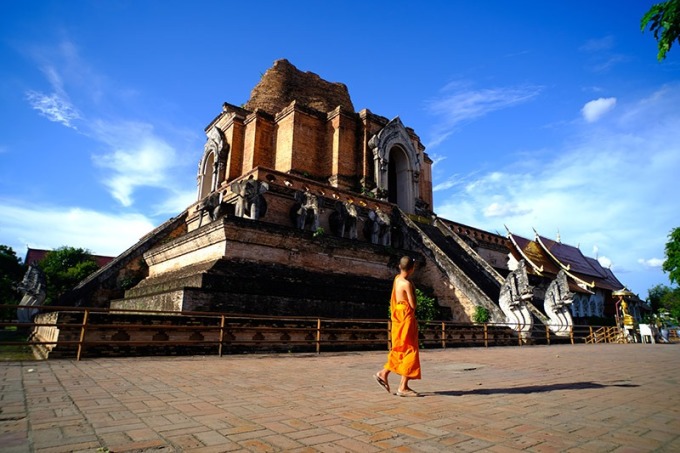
14,352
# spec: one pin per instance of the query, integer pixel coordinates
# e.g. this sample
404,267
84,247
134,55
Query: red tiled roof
571,256
535,254
581,267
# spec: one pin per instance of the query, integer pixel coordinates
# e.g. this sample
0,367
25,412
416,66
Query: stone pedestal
242,266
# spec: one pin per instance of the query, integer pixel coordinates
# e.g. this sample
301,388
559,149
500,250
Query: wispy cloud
138,157
606,188
598,44
130,153
601,54
452,181
459,104
54,107
594,110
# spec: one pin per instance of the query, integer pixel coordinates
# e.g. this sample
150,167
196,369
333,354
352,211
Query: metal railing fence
77,331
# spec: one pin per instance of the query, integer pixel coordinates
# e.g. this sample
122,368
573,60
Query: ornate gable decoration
213,162
394,133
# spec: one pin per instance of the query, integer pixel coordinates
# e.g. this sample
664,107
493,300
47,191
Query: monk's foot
407,392
382,381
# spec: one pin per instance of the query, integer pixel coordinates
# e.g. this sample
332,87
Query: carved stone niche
394,154
211,168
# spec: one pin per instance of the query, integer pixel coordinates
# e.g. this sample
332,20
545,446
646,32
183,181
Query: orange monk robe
403,358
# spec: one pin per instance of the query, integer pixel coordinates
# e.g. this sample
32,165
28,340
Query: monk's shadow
530,389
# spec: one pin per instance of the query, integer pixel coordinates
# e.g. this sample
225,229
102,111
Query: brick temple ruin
304,207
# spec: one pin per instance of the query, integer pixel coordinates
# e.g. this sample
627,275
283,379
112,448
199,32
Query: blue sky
547,115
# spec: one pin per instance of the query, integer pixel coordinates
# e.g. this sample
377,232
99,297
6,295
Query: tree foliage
672,263
427,308
664,298
663,20
64,268
655,295
671,302
11,274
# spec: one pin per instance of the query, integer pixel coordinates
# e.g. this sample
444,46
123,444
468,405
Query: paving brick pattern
583,398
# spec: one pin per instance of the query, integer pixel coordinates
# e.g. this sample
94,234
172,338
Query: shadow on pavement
530,389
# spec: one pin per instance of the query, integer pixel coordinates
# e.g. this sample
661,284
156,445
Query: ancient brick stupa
304,207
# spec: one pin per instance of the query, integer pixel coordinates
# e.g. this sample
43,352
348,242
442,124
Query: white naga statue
556,305
515,295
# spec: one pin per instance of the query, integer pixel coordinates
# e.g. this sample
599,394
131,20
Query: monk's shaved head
406,263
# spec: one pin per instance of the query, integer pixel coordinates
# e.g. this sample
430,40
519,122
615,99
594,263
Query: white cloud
496,209
464,105
176,202
134,154
594,110
605,262
606,188
138,158
54,107
651,262
102,233
452,181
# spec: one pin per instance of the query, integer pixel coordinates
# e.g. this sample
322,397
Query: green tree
672,263
671,303
663,20
427,308
64,268
656,295
11,274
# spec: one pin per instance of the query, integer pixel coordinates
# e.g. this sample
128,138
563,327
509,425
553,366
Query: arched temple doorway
207,176
397,165
398,179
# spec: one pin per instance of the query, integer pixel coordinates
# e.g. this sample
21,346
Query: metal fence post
318,336
82,334
221,334
443,335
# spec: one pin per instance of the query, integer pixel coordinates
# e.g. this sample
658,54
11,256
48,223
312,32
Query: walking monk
403,358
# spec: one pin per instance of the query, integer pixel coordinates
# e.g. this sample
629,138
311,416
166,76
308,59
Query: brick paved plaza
584,398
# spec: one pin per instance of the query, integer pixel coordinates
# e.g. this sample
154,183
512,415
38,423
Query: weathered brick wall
284,143
296,122
258,142
283,83
309,138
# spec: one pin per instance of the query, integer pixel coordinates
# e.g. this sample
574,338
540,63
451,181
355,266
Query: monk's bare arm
410,294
